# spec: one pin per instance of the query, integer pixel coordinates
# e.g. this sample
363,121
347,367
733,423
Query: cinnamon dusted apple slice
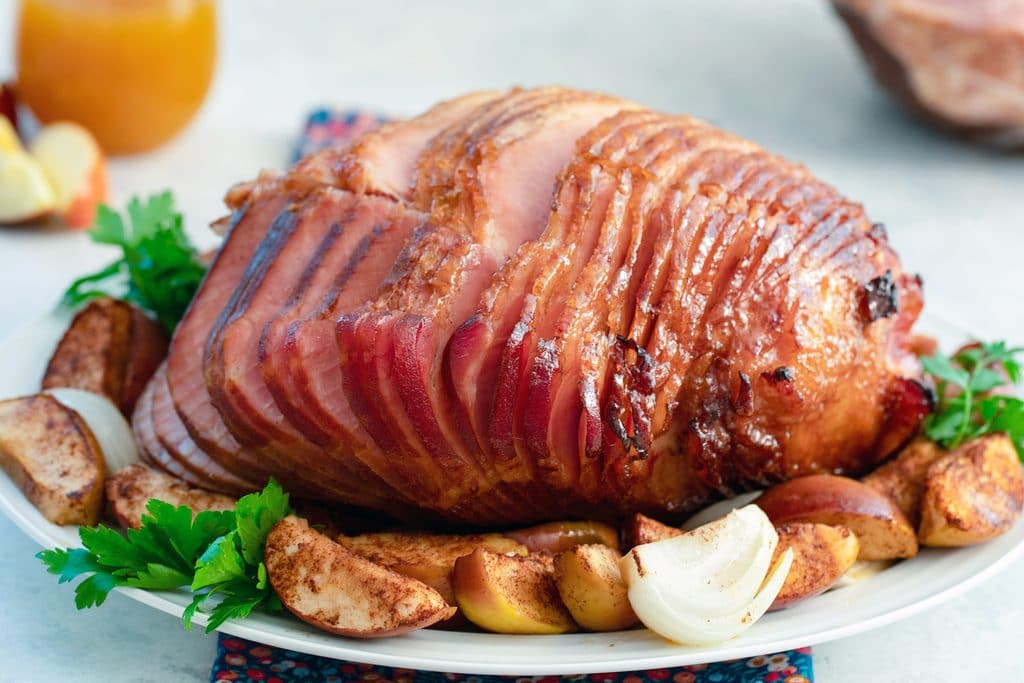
640,529
973,494
130,490
902,478
510,594
110,348
558,536
882,529
48,450
332,588
822,554
590,584
426,557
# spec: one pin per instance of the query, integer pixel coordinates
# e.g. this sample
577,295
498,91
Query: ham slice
233,374
534,305
510,153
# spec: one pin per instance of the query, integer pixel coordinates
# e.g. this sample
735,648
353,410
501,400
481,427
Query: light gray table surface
782,73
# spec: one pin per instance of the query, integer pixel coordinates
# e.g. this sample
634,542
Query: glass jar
134,72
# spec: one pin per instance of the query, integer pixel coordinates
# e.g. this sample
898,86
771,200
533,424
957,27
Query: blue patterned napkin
247,662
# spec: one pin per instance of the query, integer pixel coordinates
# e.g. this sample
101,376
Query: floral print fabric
244,661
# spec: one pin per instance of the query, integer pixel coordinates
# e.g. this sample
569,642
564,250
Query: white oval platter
905,589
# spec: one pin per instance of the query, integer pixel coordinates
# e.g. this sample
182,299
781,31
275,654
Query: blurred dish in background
134,72
958,64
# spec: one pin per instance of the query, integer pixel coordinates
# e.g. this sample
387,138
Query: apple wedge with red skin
336,590
822,554
640,529
556,537
110,348
882,529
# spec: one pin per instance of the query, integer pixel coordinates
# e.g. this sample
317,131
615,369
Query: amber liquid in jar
134,72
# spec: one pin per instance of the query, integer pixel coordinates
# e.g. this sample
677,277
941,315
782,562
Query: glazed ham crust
536,304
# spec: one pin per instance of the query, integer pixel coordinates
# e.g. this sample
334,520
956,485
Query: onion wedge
108,426
710,584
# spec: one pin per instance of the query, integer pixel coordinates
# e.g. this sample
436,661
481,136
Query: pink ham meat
257,208
234,378
297,349
475,352
164,442
511,151
534,305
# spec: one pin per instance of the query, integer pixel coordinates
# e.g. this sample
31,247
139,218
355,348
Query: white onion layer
111,431
710,584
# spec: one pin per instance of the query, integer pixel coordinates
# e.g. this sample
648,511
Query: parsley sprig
214,554
159,269
968,406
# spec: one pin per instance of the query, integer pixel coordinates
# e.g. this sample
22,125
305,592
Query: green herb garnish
968,406
159,270
213,554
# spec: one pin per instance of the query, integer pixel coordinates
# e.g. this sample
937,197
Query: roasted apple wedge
426,557
902,478
821,555
555,537
591,587
972,494
49,451
111,348
510,593
883,531
131,489
332,588
640,529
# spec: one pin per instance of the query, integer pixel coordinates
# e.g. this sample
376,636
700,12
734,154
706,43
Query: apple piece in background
590,584
822,554
25,193
902,478
558,536
510,593
883,530
76,169
110,348
640,529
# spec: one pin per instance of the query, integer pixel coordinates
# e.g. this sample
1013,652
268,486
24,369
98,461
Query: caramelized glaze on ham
535,304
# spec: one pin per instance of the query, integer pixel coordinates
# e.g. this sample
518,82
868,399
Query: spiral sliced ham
535,304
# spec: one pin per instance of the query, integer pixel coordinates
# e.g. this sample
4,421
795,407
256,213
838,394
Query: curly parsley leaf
256,516
159,269
216,555
969,403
